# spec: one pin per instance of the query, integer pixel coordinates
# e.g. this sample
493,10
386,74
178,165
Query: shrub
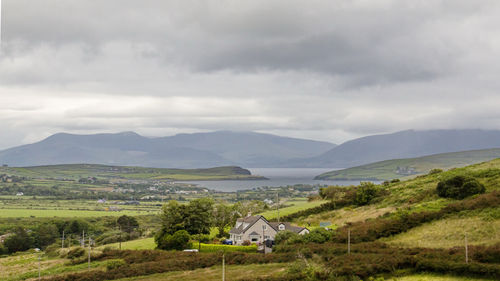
246,243
459,187
365,193
76,253
435,171
318,235
112,264
177,241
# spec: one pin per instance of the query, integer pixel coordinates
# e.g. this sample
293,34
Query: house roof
251,220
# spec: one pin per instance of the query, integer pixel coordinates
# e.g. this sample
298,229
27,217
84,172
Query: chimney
249,214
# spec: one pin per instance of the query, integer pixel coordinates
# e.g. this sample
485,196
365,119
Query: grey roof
253,219
250,220
288,226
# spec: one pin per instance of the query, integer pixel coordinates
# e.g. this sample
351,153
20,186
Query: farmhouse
257,229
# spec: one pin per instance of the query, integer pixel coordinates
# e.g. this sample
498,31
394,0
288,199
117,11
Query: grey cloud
329,70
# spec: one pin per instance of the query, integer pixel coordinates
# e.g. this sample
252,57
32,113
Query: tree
172,217
18,241
127,223
223,215
194,218
198,216
46,234
365,193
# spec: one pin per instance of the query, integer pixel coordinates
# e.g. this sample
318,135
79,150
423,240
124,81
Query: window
266,237
282,227
264,227
255,239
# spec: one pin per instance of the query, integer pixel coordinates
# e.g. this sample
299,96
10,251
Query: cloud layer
328,70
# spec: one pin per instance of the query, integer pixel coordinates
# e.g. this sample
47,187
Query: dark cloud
329,70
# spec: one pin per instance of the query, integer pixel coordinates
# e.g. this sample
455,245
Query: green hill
76,171
398,168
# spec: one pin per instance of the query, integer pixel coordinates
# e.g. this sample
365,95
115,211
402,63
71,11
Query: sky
326,70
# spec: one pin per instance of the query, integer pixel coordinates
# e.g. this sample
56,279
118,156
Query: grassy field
298,204
434,277
233,272
386,170
76,171
139,244
149,244
22,213
482,228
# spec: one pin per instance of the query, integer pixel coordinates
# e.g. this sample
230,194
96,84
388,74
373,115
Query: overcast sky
326,70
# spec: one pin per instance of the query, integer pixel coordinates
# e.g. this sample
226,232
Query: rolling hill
398,168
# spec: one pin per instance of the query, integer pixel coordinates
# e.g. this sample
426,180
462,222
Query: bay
277,177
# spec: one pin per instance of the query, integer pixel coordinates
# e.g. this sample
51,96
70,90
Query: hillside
398,168
200,150
400,200
76,171
405,144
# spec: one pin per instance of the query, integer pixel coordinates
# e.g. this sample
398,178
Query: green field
41,213
76,171
386,170
297,204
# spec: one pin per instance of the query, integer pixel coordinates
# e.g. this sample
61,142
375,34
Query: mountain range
198,150
247,149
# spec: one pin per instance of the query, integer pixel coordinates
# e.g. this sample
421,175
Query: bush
435,171
246,243
177,241
112,264
76,253
365,193
318,235
459,187
19,241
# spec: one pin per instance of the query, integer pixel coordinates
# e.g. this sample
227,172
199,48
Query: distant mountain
198,150
405,144
399,168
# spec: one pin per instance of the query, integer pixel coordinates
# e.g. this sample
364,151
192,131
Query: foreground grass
435,277
233,272
450,232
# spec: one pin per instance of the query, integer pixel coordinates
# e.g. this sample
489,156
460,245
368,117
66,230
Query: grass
385,170
435,277
149,244
22,213
296,205
233,272
482,228
139,244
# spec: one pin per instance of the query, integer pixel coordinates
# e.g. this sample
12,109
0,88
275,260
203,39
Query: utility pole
263,239
466,250
89,253
348,241
120,228
278,205
82,243
62,241
39,266
223,267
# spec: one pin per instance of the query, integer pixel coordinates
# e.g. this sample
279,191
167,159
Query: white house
257,229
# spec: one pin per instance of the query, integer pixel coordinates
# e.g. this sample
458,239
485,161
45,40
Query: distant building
101,201
19,194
